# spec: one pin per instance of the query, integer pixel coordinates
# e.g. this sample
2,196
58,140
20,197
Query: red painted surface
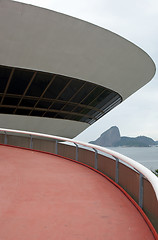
46,197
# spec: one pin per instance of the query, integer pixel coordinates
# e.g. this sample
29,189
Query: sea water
147,156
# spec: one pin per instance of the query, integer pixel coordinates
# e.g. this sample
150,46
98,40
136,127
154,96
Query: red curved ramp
46,197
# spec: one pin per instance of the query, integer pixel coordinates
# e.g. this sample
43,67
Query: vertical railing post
76,151
141,190
96,159
117,170
56,147
31,142
5,137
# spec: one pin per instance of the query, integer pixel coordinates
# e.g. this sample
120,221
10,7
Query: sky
137,21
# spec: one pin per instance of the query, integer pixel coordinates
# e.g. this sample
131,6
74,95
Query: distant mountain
108,138
140,141
112,138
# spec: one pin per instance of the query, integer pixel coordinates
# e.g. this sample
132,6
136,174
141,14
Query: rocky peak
108,138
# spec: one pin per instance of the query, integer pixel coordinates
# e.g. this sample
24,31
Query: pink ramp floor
46,197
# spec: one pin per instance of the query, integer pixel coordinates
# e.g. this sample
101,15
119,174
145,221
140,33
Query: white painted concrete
40,39
44,40
58,127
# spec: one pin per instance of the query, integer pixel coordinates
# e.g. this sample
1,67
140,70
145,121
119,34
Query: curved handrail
139,167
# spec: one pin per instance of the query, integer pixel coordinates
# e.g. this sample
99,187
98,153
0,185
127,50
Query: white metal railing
143,171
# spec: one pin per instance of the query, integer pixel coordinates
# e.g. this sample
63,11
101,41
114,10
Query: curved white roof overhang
40,39
43,40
